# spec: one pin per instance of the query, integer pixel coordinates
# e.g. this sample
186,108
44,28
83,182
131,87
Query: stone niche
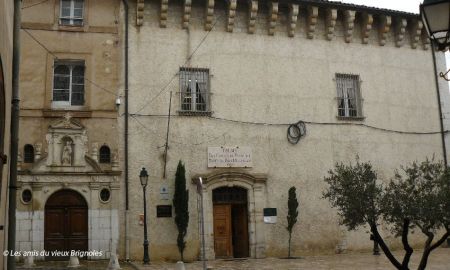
67,145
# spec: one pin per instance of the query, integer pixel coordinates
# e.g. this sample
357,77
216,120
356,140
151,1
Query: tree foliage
292,214
181,203
415,199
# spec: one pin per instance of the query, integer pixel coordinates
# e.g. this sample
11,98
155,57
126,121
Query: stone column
37,151
94,152
37,218
259,221
209,227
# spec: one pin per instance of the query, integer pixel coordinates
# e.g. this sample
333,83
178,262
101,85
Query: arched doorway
66,223
230,213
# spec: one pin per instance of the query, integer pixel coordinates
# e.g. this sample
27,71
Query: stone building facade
264,96
6,61
69,174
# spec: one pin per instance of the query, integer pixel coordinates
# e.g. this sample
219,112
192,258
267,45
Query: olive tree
417,198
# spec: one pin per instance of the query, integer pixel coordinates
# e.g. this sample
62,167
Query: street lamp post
436,19
143,176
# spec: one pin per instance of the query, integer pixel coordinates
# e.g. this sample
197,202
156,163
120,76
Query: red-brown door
66,223
240,231
222,230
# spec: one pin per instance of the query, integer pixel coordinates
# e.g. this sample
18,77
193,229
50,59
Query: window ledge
61,112
351,118
194,113
71,28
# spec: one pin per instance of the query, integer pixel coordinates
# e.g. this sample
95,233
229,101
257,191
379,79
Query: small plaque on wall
270,215
163,211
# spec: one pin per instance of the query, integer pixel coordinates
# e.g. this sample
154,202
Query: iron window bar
349,100
194,90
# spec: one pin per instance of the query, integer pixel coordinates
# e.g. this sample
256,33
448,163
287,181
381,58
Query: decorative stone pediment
67,122
66,142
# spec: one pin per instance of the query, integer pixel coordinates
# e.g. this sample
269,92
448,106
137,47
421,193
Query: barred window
105,154
194,90
28,153
71,12
68,83
348,96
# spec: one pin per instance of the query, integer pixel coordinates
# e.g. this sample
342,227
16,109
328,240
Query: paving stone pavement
85,265
439,260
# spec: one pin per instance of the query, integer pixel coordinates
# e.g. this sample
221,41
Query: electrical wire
175,75
56,58
305,122
177,142
35,4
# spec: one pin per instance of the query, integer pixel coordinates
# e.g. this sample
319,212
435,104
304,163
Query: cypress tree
180,204
292,215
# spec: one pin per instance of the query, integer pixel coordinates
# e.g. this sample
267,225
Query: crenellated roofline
383,21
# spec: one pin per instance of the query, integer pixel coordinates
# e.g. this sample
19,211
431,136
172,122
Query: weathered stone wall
97,43
261,83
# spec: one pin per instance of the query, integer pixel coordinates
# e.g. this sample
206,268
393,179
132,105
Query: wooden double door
66,223
231,228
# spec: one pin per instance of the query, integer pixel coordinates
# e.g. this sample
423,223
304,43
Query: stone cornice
273,16
140,12
252,12
330,22
231,14
186,13
293,14
373,25
366,27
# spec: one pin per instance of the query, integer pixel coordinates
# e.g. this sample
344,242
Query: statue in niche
66,157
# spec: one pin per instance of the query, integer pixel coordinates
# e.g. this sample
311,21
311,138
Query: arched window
105,154
28,153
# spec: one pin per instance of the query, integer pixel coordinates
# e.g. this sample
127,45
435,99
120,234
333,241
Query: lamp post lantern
436,19
143,177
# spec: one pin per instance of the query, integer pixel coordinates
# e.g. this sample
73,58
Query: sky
402,5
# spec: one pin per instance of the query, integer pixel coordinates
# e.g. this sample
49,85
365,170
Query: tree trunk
426,252
429,248
385,248
406,246
289,249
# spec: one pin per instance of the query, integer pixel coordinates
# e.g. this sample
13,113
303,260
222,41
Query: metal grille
348,95
231,195
105,154
28,153
194,89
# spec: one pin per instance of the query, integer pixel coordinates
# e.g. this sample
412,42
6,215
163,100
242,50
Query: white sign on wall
164,192
230,156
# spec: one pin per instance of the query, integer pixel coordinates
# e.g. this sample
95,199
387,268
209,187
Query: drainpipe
436,78
127,235
11,261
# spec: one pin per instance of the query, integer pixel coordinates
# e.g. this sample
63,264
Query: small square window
348,96
68,83
71,12
194,91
